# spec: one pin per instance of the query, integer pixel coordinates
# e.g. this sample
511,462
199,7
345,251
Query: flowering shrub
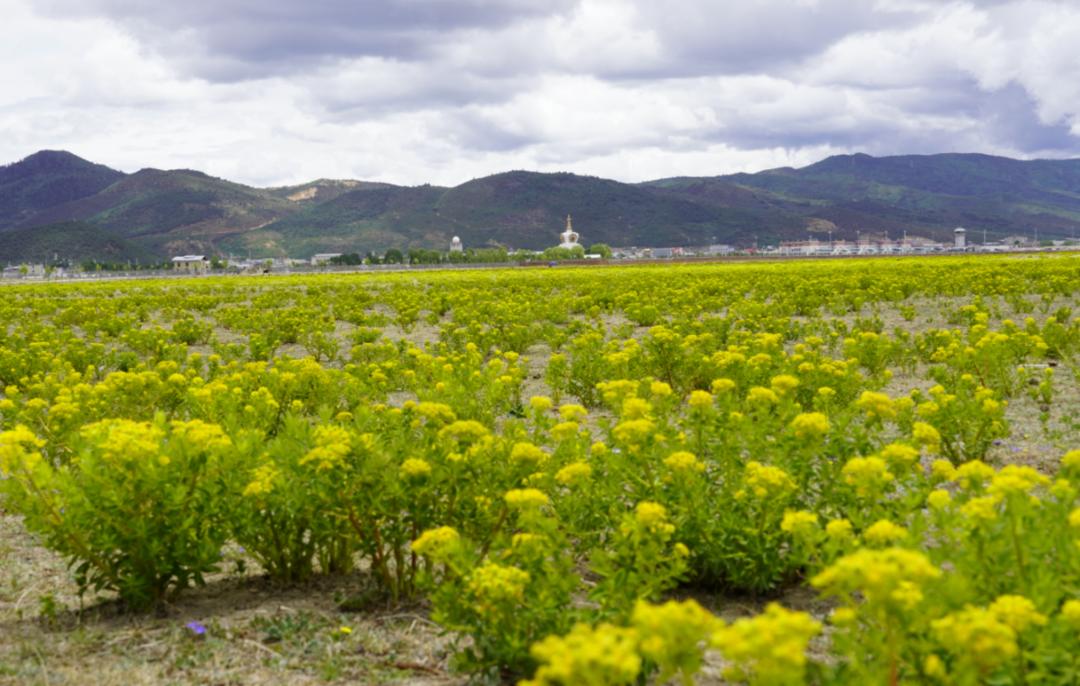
138,507
547,458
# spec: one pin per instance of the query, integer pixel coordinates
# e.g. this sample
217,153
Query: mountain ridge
51,196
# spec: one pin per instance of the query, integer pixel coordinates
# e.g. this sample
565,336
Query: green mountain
922,194
77,240
56,203
46,179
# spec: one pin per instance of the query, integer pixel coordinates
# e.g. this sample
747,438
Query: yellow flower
123,440
573,473
564,431
436,542
263,478
939,499
493,584
942,470
669,634
604,654
783,384
525,498
1070,613
769,648
652,516
683,461
437,413
540,403
700,400
415,468
635,408
810,425
1071,460
982,509
934,668
572,413
634,432
768,482
975,635
1074,519
875,573
876,405
463,431
1017,612
974,474
1016,480
332,445
720,386
900,456
926,436
883,532
839,530
527,454
869,475
659,389
799,523
762,396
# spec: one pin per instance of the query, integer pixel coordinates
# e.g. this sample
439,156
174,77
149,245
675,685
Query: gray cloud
238,39
277,91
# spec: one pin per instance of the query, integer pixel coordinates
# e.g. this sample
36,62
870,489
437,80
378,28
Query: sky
275,92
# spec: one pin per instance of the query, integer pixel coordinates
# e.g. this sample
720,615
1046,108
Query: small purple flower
196,628
998,441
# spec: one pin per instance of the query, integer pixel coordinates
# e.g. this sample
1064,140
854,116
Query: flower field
823,472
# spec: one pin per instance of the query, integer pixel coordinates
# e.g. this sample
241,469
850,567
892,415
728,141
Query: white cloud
623,89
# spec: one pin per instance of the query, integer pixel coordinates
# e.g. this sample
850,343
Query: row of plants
738,440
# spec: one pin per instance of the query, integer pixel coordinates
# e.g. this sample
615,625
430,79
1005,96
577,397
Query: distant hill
46,179
77,240
54,203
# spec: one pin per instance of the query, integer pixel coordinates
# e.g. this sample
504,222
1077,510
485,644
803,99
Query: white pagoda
569,236
455,245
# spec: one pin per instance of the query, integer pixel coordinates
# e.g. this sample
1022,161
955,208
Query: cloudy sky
411,91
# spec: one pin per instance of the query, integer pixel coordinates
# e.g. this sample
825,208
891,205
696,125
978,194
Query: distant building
720,249
196,264
569,236
1018,241
959,238
323,258
455,245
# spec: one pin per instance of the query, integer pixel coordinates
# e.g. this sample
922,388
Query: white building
959,238
569,236
191,263
323,258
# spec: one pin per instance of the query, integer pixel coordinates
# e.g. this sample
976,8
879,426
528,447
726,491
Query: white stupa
569,237
455,244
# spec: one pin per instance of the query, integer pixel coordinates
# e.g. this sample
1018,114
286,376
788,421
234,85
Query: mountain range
56,204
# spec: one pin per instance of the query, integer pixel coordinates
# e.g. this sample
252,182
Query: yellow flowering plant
139,508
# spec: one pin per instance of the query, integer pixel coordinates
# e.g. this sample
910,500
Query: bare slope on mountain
373,217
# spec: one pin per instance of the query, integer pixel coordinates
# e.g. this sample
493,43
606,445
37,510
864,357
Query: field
826,472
